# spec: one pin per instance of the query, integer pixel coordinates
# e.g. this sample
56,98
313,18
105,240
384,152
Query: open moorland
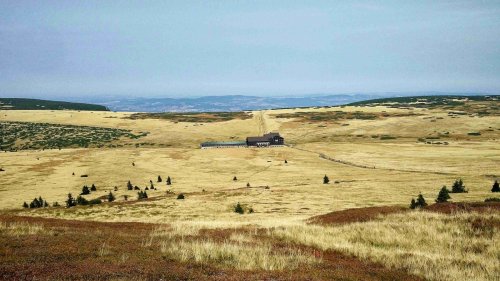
265,213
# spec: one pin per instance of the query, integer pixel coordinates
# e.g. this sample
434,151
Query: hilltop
36,104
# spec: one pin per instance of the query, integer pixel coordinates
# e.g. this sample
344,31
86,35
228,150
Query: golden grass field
364,171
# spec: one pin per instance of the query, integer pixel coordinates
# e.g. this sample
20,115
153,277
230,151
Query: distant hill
230,103
36,104
234,103
426,101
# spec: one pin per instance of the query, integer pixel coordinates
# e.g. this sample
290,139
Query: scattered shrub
492,199
111,197
95,201
180,196
496,187
142,195
326,180
238,209
458,187
55,204
85,190
235,178
81,201
443,195
419,203
70,202
248,184
25,205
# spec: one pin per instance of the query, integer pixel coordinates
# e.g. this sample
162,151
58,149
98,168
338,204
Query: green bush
458,187
81,201
326,179
239,209
443,195
496,187
95,201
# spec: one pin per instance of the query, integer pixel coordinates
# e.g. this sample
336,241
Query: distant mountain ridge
240,102
37,104
229,103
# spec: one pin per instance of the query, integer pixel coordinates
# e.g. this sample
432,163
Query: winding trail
343,162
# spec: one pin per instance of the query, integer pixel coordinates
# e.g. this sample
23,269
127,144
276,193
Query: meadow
374,156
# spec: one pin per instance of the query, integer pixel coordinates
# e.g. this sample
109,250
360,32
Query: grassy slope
364,170
36,104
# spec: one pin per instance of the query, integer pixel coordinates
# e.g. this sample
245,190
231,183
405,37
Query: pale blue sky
194,48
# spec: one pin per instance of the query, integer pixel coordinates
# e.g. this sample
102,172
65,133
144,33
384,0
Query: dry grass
237,254
462,246
22,228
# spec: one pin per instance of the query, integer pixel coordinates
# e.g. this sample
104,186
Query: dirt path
260,119
343,162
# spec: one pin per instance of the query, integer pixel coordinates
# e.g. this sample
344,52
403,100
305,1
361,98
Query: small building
270,139
223,144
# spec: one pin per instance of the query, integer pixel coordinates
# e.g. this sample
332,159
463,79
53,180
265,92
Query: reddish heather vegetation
79,250
355,215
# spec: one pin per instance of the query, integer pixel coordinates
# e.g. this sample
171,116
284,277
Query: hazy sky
193,48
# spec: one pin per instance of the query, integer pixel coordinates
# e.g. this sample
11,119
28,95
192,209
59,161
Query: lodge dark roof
264,138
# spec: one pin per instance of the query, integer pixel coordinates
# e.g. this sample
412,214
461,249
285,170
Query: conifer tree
458,187
25,205
413,204
129,185
235,178
93,188
85,190
248,184
421,201
238,208
169,181
286,161
159,179
326,179
81,200
111,197
443,195
70,202
496,187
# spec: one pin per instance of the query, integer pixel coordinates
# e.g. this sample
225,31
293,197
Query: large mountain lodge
267,140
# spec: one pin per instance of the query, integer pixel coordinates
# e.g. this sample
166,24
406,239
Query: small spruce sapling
326,180
421,201
458,187
496,187
111,197
239,209
443,195
85,190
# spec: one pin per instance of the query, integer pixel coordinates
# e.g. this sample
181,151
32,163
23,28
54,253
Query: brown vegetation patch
355,215
449,207
85,250
201,117
339,115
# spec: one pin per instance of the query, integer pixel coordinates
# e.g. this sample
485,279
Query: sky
269,48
